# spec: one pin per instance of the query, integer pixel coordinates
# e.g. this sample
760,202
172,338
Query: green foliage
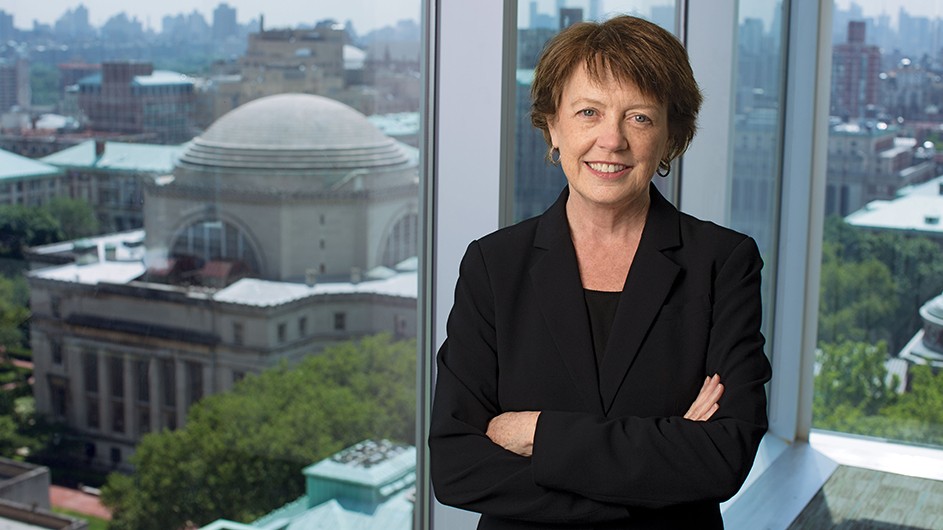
76,217
851,376
923,401
873,283
241,453
23,226
856,300
94,523
14,312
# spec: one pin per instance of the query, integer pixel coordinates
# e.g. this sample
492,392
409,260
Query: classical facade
290,224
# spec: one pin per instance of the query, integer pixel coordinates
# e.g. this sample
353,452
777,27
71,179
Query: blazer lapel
647,285
556,279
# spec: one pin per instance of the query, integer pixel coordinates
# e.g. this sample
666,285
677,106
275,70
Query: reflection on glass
536,182
880,319
213,222
755,182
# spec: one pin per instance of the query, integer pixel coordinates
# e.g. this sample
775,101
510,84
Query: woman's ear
551,130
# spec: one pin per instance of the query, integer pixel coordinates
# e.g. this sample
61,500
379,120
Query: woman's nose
612,136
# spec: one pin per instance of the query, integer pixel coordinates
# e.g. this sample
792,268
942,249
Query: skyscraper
224,22
856,67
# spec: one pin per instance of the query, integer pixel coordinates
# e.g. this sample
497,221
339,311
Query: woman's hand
706,403
514,431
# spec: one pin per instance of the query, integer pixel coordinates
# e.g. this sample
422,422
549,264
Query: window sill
786,476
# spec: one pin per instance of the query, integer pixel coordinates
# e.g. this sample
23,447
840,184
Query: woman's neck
602,223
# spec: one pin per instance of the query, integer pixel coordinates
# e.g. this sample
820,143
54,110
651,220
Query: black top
601,306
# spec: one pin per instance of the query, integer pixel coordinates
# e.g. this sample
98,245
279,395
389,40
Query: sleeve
469,470
663,461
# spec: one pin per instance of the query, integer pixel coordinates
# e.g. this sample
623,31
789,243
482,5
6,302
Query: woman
580,384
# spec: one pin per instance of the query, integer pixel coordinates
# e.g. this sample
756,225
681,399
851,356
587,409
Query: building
570,16
111,176
290,224
133,98
24,499
868,161
224,22
29,182
14,84
926,347
368,486
308,61
856,70
916,210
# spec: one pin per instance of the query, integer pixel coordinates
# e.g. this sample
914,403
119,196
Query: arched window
213,240
403,240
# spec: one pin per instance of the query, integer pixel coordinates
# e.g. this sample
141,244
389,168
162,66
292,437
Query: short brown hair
629,49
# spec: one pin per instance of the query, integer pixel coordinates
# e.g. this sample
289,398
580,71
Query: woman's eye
641,118
587,113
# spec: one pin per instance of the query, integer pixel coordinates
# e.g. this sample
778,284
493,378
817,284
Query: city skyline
366,15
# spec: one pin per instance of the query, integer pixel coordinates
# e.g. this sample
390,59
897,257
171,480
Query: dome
932,311
293,132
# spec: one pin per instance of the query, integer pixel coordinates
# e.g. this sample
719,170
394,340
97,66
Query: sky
370,14
365,14
762,9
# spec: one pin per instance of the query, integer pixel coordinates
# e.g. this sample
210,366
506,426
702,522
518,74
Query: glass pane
535,181
879,343
758,124
211,213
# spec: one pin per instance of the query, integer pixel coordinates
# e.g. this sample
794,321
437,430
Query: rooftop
917,208
294,133
119,156
120,259
16,167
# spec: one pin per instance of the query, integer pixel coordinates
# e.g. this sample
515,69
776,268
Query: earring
664,168
555,160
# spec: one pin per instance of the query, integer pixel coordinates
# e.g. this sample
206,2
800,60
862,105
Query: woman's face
611,138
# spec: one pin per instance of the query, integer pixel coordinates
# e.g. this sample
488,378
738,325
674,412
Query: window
117,416
116,376
194,382
91,413
168,385
144,420
143,380
878,351
240,166
238,333
55,350
90,371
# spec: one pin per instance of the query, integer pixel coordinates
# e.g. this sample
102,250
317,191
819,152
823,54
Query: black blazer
611,451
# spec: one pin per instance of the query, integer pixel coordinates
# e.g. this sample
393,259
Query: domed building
290,224
288,186
926,347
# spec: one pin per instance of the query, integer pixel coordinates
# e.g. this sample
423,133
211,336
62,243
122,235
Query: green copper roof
119,156
16,167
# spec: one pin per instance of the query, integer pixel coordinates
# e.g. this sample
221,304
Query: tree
22,227
858,299
76,217
14,313
919,411
851,383
241,453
